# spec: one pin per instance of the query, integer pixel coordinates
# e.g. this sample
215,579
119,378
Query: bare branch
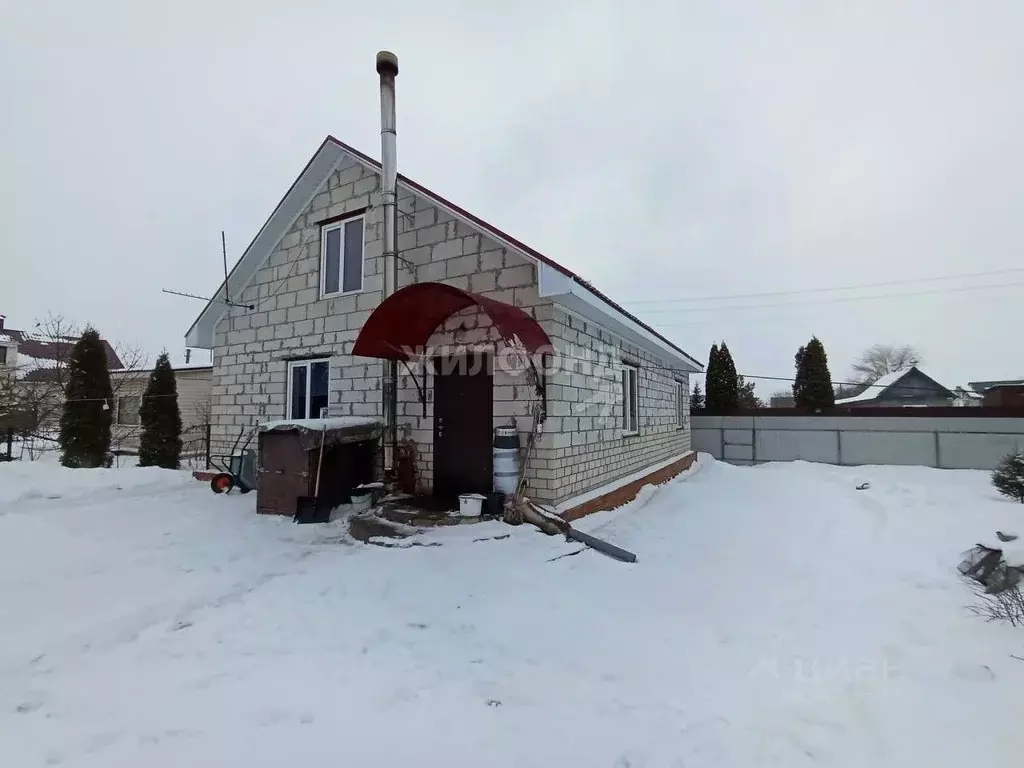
883,359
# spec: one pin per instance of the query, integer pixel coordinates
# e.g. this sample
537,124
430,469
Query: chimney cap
387,63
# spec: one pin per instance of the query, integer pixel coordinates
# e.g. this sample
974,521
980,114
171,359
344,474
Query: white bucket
470,504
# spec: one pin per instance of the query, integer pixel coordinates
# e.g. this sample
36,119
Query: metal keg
506,459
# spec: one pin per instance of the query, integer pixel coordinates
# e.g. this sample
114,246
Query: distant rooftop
39,354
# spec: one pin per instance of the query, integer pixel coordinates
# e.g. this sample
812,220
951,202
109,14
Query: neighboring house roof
888,382
981,386
177,368
310,179
968,394
39,356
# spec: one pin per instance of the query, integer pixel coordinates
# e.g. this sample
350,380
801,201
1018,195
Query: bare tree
883,359
1005,606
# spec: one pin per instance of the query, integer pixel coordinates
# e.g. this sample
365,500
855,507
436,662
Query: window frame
306,363
629,374
340,225
681,412
120,411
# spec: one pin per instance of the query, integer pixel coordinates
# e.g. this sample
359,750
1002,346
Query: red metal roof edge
507,237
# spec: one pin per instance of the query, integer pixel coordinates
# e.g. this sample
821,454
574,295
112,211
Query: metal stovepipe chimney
387,68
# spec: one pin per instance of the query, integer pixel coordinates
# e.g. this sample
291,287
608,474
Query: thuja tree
85,421
160,441
1008,477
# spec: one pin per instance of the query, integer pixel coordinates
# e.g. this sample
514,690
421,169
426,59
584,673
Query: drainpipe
387,68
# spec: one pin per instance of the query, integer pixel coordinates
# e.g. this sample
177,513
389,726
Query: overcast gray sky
662,150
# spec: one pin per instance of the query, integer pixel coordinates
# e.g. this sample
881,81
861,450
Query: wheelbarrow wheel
222,482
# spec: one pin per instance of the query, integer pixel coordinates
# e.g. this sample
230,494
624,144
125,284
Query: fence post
839,447
938,451
208,433
10,443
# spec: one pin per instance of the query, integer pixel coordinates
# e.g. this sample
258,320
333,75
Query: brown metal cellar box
289,452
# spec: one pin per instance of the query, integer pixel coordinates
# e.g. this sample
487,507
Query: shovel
305,506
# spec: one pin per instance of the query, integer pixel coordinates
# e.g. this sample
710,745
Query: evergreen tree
746,396
812,387
160,442
800,378
730,385
711,381
85,421
697,398
1008,477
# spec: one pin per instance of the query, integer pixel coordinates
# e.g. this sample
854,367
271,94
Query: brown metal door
284,473
462,425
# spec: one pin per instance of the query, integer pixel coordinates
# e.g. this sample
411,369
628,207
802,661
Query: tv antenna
227,298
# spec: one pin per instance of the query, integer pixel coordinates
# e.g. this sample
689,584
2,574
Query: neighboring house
311,335
782,401
38,357
33,367
967,398
1001,393
193,382
902,389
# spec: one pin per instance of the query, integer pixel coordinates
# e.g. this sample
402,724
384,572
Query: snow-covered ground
776,616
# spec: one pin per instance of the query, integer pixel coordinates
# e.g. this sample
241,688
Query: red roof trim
485,226
401,325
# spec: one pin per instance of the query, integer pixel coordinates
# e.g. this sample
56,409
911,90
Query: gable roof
881,385
40,355
321,165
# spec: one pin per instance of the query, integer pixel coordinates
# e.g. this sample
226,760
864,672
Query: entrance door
463,396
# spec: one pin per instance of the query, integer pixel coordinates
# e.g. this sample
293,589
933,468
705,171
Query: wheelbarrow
236,469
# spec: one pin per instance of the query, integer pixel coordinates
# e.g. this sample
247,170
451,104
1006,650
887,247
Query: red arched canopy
403,323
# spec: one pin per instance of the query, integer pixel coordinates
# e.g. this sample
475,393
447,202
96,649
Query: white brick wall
252,348
583,446
580,448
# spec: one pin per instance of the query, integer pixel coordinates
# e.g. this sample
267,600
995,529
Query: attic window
341,257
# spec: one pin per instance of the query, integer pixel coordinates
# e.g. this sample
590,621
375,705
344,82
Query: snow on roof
315,425
876,388
27,363
970,394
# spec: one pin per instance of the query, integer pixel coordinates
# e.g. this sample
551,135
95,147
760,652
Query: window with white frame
682,403
341,257
307,388
630,400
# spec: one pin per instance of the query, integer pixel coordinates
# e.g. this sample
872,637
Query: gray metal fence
944,442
